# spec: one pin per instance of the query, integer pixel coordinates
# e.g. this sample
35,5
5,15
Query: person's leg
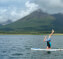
47,47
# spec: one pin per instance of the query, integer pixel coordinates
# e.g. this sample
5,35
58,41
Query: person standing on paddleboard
48,40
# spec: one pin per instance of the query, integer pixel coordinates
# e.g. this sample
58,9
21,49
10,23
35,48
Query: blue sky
16,9
12,3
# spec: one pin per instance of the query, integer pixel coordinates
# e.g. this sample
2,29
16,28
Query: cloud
50,6
2,11
14,13
30,7
55,3
16,9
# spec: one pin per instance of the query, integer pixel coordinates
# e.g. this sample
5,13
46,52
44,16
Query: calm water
18,47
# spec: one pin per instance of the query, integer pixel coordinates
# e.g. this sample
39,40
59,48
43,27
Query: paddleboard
39,49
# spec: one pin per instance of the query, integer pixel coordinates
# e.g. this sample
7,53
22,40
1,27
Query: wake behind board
39,49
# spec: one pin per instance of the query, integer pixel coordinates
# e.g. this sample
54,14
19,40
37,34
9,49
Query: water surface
19,47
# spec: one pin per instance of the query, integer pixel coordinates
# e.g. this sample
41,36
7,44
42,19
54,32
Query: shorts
49,44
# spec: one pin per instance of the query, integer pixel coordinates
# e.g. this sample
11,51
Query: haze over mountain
37,21
6,22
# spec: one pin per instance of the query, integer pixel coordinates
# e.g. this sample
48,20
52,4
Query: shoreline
32,34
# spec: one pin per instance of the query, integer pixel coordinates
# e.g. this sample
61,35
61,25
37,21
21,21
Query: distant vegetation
36,23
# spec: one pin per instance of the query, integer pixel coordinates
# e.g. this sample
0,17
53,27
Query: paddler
48,40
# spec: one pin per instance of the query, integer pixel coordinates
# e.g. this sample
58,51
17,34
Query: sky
50,6
16,9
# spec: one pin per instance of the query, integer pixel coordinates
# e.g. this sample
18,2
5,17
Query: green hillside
37,21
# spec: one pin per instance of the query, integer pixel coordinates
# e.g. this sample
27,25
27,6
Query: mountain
37,21
58,23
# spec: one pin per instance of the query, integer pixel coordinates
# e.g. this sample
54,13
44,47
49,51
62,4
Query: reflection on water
49,52
19,47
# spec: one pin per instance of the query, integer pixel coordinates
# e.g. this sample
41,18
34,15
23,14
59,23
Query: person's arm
51,33
45,38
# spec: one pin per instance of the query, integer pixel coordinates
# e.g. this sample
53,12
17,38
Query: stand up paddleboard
39,49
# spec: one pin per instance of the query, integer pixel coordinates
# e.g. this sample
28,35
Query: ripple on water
17,54
16,49
4,52
28,47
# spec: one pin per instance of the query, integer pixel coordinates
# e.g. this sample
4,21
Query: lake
19,47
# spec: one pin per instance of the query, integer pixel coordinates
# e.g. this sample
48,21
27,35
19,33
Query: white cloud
30,7
15,13
50,6
2,11
16,9
3,18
